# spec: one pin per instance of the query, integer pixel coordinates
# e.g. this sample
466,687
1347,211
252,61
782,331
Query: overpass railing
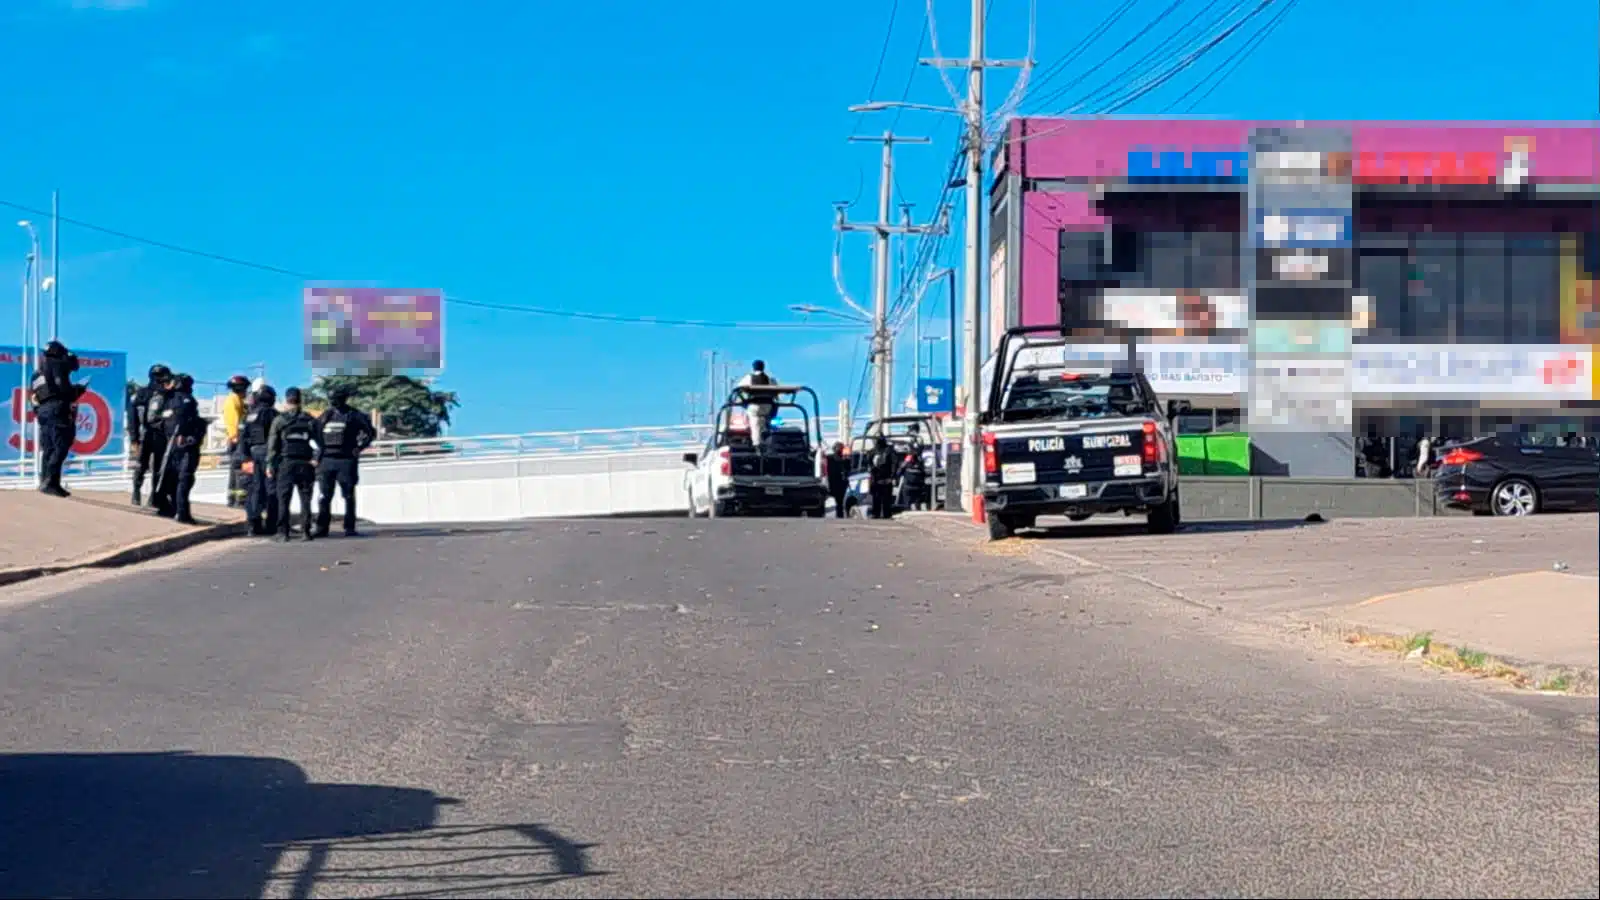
589,441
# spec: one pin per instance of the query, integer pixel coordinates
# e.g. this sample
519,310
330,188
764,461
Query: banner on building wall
1580,289
101,409
1173,314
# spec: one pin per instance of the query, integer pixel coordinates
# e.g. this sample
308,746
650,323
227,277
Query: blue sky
618,157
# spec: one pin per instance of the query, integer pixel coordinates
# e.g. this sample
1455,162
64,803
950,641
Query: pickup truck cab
1060,438
733,476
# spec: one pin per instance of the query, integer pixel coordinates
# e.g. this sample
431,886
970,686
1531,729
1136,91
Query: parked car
1519,474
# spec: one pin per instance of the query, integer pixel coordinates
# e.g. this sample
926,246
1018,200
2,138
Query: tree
410,407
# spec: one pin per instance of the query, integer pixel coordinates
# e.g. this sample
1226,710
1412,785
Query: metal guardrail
531,444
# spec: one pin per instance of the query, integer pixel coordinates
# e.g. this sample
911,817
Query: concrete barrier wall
651,481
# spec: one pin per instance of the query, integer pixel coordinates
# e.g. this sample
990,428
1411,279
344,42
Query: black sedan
1517,475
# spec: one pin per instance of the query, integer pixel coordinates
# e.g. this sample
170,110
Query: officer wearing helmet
233,411
345,432
185,431
146,443
261,501
55,400
292,446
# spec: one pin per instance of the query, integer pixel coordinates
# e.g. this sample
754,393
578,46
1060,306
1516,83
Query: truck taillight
725,456
1152,444
991,460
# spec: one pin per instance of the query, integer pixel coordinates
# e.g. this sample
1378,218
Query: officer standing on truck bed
291,462
147,444
344,432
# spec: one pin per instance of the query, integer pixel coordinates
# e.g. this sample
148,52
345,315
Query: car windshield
1074,396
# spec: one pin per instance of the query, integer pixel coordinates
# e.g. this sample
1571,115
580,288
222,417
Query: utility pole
883,228
972,110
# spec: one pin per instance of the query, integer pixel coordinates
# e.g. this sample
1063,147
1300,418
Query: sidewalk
41,535
1525,592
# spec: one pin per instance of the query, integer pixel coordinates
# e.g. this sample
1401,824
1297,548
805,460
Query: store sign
1303,229
1195,369
1473,370
1178,167
1424,167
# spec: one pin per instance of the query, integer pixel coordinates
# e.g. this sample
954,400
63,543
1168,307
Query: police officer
146,441
345,431
185,431
261,501
55,400
292,446
882,466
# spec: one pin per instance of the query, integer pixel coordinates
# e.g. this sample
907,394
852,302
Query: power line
458,301
1230,65
1082,76
1166,49
872,90
1059,67
1187,61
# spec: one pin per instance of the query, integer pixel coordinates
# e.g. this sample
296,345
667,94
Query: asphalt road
732,708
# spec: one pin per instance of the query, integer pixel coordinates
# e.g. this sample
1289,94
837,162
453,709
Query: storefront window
1534,290
1483,289
1438,288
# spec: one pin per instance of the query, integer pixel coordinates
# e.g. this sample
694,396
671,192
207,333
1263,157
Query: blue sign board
102,409
1196,166
1290,228
935,395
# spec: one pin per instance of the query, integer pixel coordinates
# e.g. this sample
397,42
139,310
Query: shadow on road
180,825
1135,527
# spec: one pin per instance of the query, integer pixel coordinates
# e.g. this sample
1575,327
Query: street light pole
55,266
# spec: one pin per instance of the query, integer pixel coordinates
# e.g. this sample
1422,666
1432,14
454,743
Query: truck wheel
1000,527
1079,517
1164,518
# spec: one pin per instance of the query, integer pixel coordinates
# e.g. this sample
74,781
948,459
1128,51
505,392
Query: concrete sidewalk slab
42,535
1545,618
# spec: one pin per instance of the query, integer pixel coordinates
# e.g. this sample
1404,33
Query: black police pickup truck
1064,439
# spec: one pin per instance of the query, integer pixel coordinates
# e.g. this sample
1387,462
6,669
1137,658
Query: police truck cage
779,397
1022,354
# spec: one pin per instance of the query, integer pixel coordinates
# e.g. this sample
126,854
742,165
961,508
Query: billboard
351,329
101,410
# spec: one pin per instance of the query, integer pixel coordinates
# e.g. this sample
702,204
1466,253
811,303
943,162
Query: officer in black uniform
185,431
292,447
146,442
55,409
345,431
260,500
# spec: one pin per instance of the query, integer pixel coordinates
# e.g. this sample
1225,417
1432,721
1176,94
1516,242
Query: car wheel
1000,527
1514,497
1080,517
1164,518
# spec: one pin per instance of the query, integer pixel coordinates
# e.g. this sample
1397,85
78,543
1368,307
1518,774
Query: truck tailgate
1043,456
750,464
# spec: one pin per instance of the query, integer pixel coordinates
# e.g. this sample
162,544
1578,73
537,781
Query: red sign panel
1427,168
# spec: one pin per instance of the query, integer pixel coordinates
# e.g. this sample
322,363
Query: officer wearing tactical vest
260,501
759,413
292,446
185,431
345,432
55,400
147,445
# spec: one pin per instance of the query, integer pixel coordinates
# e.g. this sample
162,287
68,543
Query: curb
132,553
1586,679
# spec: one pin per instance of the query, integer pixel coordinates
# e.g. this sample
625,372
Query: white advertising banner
1542,372
1458,371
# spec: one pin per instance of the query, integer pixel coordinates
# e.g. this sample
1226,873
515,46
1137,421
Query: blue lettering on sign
1177,166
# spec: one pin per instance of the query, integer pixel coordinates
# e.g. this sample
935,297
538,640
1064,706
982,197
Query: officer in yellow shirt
233,410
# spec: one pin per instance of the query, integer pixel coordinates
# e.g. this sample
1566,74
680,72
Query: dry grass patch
1464,660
